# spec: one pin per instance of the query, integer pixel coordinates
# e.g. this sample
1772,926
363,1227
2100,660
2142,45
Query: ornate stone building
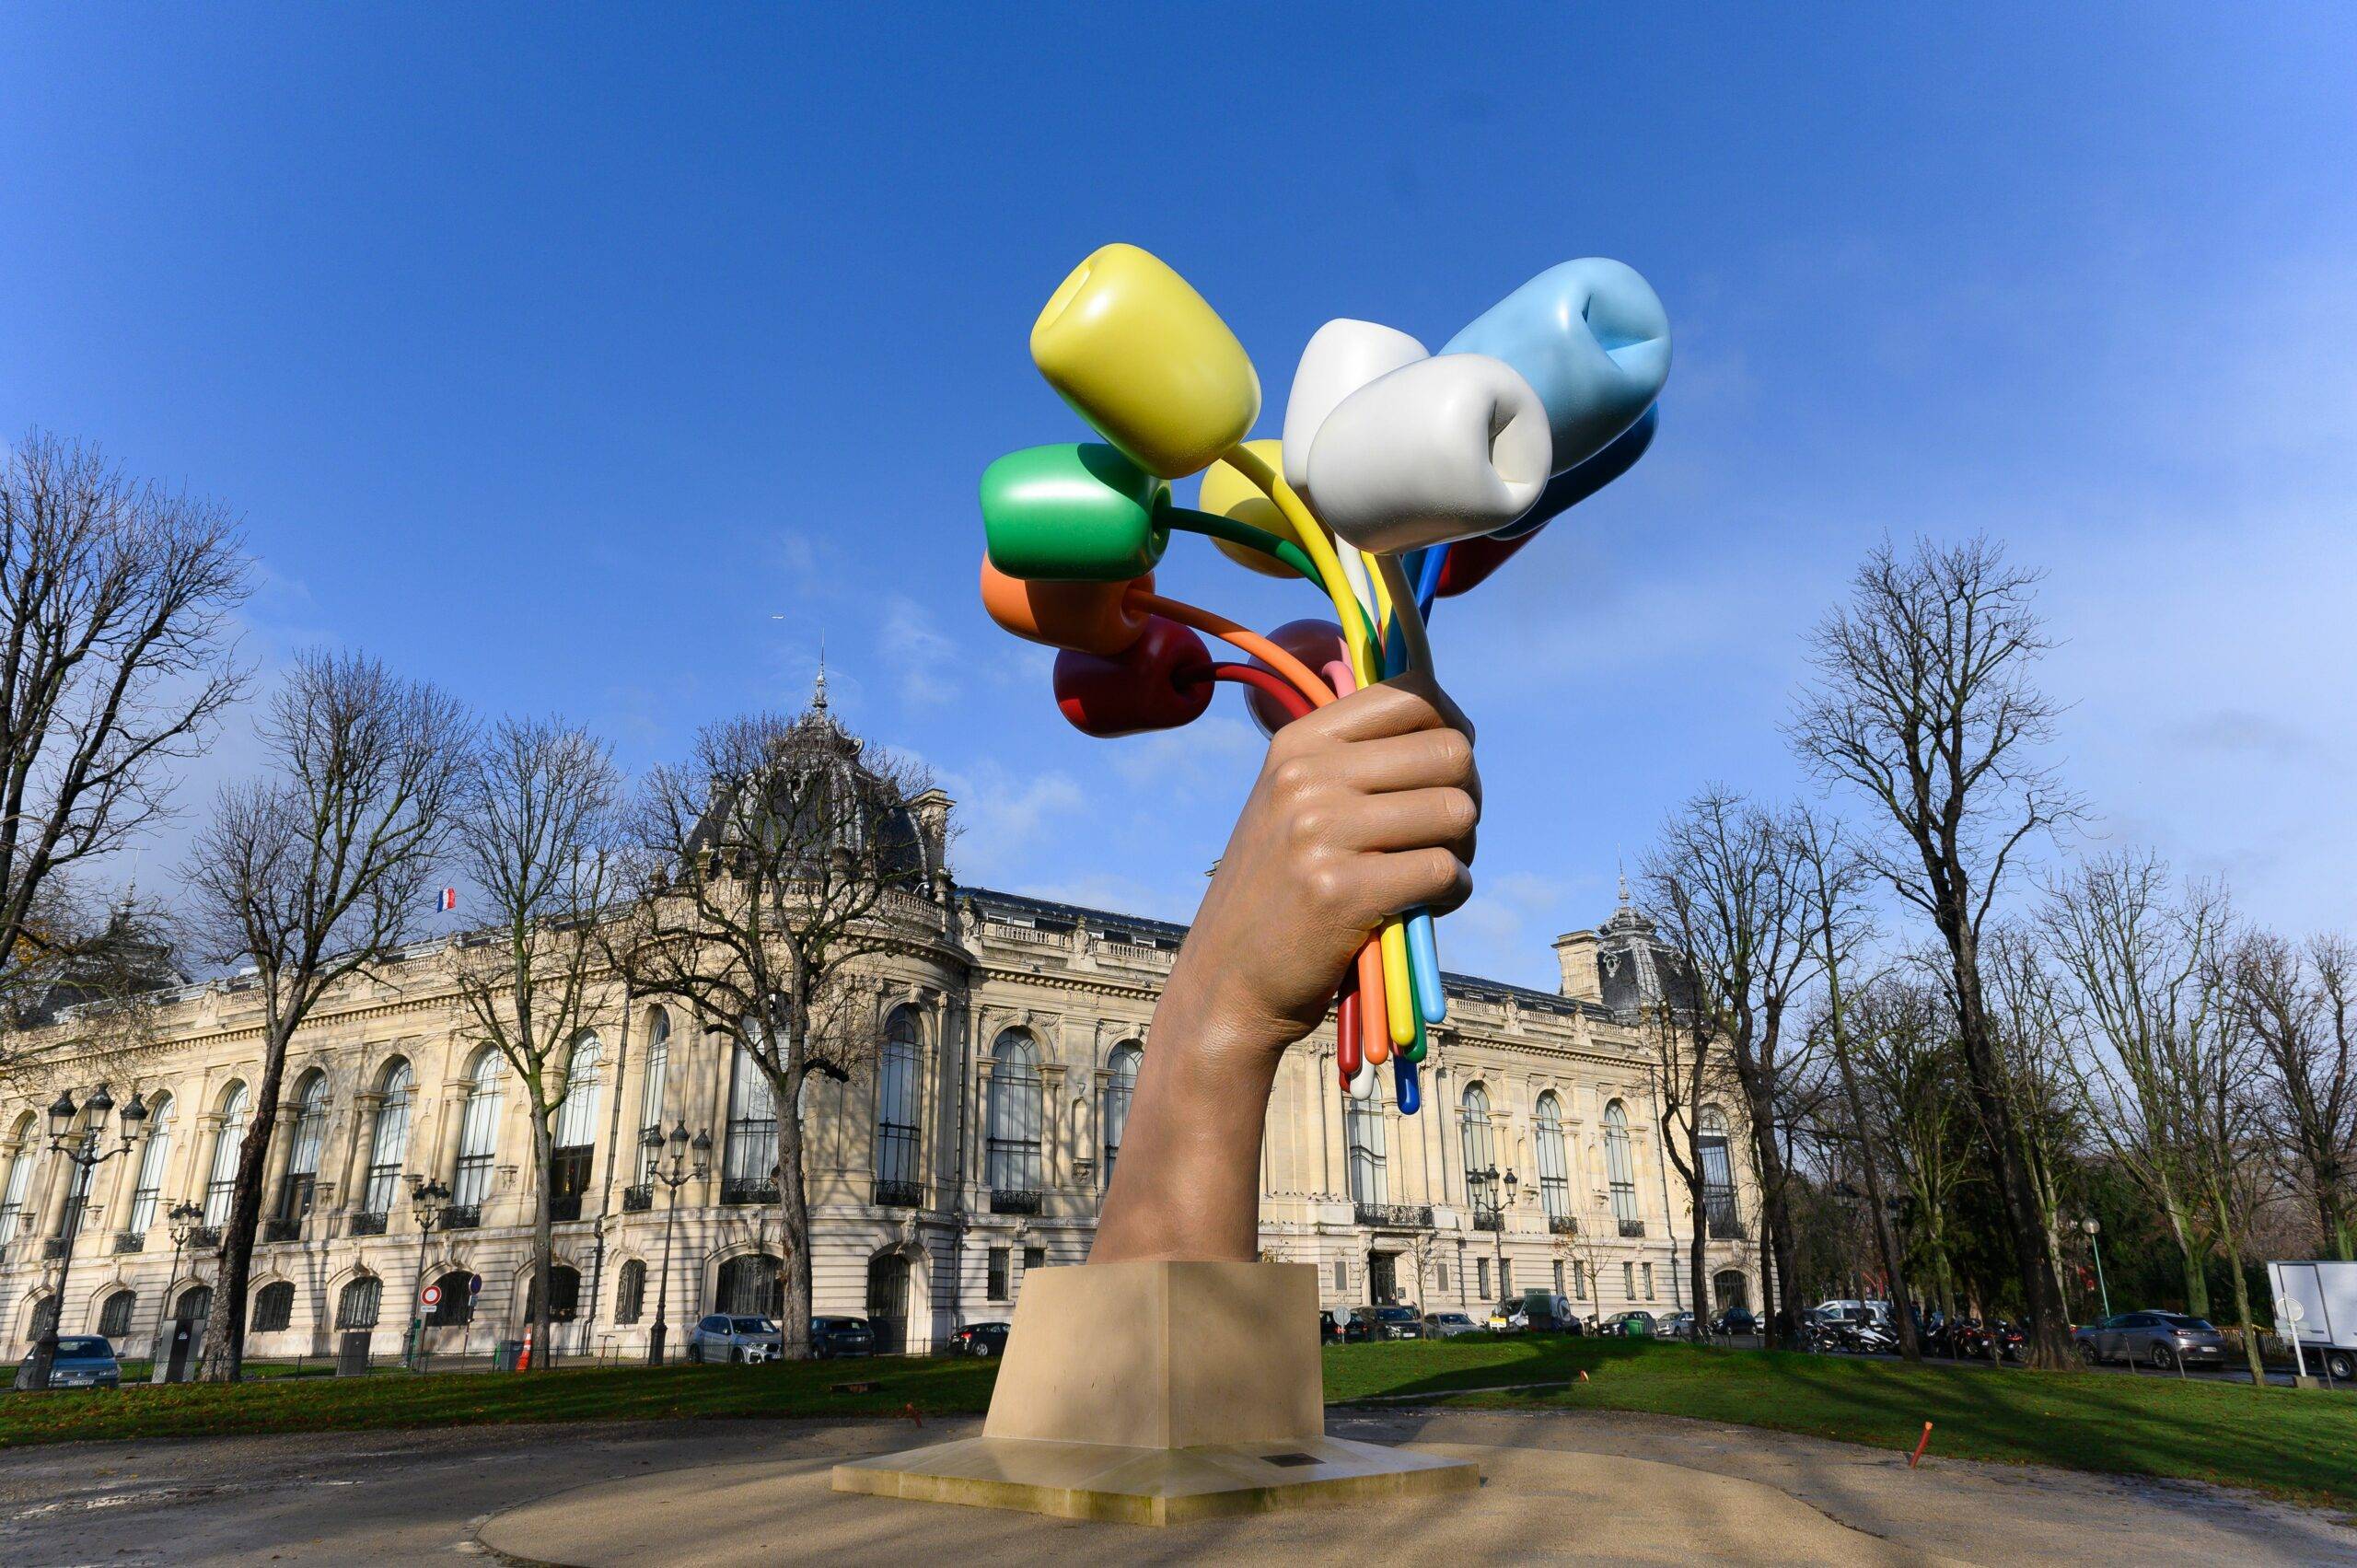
977,1150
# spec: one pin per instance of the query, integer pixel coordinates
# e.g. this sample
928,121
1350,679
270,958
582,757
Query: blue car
83,1360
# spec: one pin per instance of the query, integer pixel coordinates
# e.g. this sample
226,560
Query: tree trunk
2049,1333
2241,1288
224,1329
1902,1306
794,1229
543,1237
2197,1282
1774,1211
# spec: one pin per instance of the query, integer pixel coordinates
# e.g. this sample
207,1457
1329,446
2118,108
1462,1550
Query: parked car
981,1339
1633,1325
2162,1340
1508,1317
721,1336
832,1337
1676,1326
1393,1322
1448,1325
1736,1320
83,1360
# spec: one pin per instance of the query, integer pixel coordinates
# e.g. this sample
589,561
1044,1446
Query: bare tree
536,835
1681,1064
314,873
1833,878
2028,1018
760,873
1902,1042
2294,1002
2137,977
1720,881
117,657
1924,699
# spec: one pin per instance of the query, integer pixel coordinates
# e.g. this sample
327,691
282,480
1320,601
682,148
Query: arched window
44,1317
564,1296
899,1105
751,1173
1363,1139
1120,1088
1718,1177
651,1085
114,1315
152,1155
357,1303
18,1178
1554,1169
1481,1150
236,1105
479,1134
195,1304
1618,1169
458,1304
273,1306
630,1293
1016,1114
389,1144
752,1285
303,1156
574,1136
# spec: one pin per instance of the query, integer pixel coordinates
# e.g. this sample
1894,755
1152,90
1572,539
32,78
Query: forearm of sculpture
1365,808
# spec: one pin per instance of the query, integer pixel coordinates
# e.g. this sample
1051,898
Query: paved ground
1748,1495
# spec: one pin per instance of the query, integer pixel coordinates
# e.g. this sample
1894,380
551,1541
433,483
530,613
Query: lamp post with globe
427,1202
87,1153
675,1175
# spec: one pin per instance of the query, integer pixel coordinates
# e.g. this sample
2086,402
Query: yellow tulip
1137,352
1230,495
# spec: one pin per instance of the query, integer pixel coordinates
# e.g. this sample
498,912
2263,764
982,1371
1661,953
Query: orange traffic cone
523,1362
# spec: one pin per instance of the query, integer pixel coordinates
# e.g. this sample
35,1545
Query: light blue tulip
1591,338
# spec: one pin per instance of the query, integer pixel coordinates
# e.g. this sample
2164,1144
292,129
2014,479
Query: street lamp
428,1201
184,1218
2090,1226
86,1156
1487,1184
678,1175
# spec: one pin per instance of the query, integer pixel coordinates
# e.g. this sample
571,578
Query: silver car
1448,1325
2161,1340
719,1335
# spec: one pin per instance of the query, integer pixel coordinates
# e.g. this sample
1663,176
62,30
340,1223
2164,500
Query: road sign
431,1295
474,1286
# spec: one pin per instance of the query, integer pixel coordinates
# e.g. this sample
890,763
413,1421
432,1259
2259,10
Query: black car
832,1337
981,1339
1332,1329
1393,1322
1736,1320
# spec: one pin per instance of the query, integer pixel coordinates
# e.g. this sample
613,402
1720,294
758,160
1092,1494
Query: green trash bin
506,1354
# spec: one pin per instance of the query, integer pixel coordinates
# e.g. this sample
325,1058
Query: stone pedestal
1155,1393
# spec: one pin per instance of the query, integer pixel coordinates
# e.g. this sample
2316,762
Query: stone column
454,1118
365,1108
206,1147
276,1158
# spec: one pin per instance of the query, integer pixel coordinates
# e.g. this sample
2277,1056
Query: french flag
446,899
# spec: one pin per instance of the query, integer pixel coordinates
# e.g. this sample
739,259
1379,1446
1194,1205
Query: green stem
1258,540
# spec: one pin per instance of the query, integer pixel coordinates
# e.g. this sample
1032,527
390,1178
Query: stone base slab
1154,1486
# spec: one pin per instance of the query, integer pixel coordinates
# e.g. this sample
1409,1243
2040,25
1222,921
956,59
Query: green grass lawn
2286,1444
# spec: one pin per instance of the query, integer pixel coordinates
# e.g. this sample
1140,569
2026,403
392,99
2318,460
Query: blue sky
605,361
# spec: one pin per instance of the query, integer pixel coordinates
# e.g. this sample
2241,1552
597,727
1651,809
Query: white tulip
1444,449
1342,356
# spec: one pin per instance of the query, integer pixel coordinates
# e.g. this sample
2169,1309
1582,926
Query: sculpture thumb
1445,449
1342,356
1139,355
1593,341
1575,484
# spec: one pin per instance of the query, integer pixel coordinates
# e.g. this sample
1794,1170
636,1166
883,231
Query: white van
1852,1312
2317,1305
